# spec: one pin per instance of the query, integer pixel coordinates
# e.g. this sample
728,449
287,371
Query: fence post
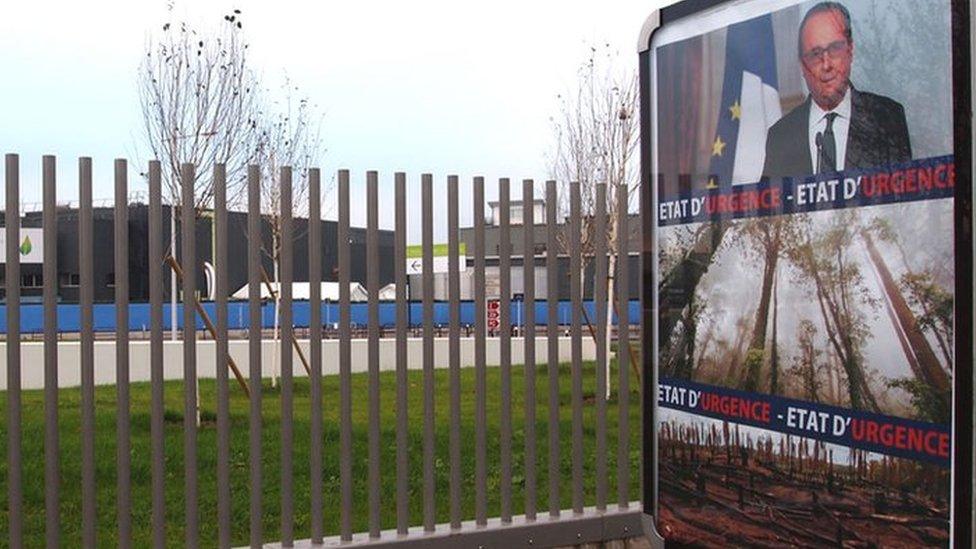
345,359
427,192
552,328
528,288
402,322
600,298
373,344
623,349
254,350
481,414
52,467
123,445
15,493
190,400
220,362
86,290
315,254
156,431
505,346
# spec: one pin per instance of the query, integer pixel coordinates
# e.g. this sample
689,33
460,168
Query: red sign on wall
493,313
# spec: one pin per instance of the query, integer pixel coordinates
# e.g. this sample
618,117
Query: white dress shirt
842,126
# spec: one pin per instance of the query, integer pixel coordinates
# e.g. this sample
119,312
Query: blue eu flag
750,104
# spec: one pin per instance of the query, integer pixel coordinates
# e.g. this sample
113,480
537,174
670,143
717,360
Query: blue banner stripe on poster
878,433
925,179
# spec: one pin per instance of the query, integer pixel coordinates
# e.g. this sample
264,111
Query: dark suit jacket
878,135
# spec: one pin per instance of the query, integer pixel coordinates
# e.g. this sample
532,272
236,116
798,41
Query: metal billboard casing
960,506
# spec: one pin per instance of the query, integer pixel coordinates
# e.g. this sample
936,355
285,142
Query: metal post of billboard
649,469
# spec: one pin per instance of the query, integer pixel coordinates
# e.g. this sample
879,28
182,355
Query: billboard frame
963,505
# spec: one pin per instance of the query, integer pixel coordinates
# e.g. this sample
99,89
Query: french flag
750,104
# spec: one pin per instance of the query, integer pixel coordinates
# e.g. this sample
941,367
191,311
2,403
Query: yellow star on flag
718,146
736,110
712,184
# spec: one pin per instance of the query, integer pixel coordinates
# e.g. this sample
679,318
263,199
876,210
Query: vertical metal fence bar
576,348
528,286
315,254
623,350
481,413
427,238
373,347
287,267
345,364
254,350
220,366
454,345
15,493
122,418
156,432
189,261
600,299
505,346
552,329
52,467
402,319
85,299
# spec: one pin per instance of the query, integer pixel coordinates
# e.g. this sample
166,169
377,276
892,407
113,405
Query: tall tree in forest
679,280
806,365
936,385
838,284
935,307
681,360
774,382
737,351
931,302
764,237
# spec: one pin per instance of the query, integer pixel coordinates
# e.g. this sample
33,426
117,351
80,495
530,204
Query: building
539,251
32,281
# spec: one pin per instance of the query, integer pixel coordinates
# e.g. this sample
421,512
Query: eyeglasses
834,51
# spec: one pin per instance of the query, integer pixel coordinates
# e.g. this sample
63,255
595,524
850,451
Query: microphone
819,143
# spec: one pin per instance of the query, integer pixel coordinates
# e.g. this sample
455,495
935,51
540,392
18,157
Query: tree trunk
679,284
277,303
857,387
774,351
928,368
943,344
757,345
611,293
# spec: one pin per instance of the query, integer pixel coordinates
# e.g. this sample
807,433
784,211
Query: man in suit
838,127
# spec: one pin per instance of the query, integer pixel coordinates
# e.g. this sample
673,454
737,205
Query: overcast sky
427,86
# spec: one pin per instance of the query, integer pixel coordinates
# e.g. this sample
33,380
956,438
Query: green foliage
934,302
753,364
930,404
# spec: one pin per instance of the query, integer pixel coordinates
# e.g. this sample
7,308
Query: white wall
69,366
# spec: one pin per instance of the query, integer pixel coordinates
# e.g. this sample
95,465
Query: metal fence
598,514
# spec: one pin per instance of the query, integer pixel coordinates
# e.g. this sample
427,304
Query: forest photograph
851,308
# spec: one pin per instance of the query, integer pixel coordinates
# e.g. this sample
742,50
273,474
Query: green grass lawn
70,421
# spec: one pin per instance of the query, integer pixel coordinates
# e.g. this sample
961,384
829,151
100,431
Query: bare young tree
288,136
597,135
199,104
197,94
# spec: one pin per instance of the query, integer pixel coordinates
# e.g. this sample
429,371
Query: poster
804,260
